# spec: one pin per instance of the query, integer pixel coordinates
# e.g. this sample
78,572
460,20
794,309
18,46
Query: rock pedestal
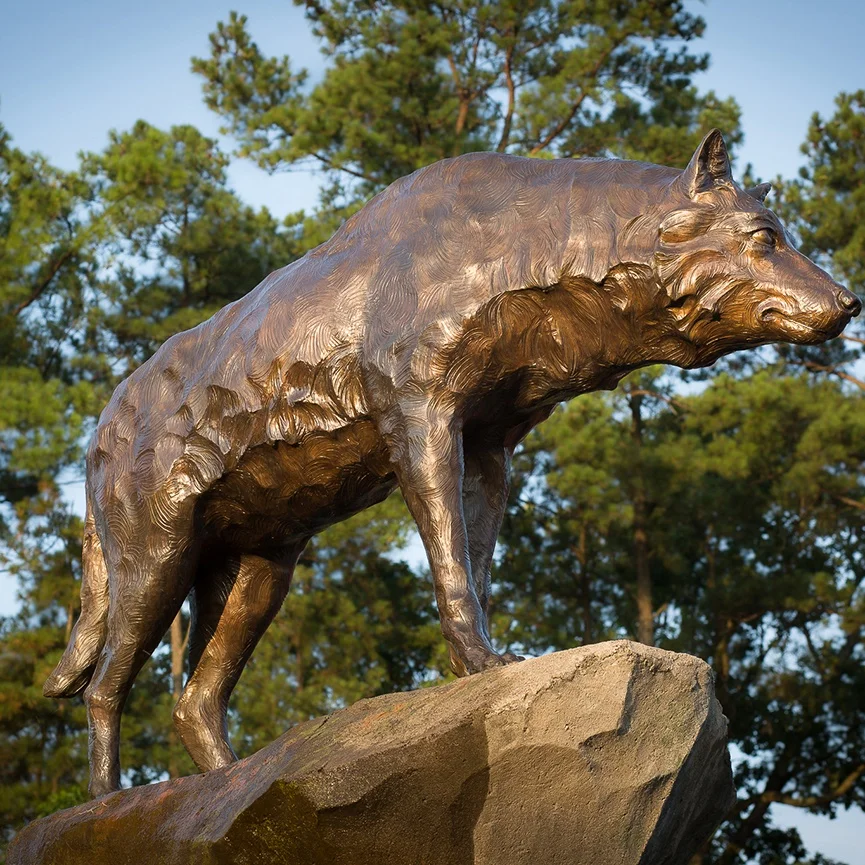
614,753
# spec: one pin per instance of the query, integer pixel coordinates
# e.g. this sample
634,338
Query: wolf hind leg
233,602
148,585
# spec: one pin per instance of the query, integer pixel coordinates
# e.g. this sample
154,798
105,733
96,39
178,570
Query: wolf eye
765,237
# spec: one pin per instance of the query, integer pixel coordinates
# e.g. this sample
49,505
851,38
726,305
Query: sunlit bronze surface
414,349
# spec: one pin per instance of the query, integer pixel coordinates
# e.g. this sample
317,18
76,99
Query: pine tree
49,237
727,522
408,84
825,208
754,551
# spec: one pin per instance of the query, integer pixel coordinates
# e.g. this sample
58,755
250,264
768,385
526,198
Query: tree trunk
723,628
177,648
585,587
70,621
645,616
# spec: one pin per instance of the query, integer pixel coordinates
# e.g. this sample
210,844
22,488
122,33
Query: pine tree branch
817,801
75,245
815,655
845,500
673,403
849,645
509,115
463,97
42,286
332,165
761,802
759,805
577,104
832,369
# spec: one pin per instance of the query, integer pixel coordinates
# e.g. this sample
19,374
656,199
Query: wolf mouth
800,328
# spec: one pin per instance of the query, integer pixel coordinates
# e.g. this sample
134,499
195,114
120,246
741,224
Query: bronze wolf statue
414,349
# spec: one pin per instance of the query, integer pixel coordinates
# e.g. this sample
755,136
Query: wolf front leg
430,474
486,483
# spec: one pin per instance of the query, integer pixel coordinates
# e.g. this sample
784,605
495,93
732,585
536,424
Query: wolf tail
76,666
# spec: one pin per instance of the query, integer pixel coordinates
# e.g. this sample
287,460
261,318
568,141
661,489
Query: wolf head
731,273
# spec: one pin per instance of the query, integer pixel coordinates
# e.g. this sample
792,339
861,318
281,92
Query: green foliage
43,747
48,247
410,83
756,525
183,245
825,209
830,196
47,257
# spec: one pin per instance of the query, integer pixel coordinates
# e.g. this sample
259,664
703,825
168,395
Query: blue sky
69,72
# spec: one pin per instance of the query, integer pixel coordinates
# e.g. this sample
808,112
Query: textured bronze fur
414,349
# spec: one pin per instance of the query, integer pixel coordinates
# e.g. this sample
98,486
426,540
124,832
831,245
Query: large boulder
614,753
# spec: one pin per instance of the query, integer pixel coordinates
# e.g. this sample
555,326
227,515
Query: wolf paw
477,659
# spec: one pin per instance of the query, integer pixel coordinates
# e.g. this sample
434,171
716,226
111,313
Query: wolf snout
849,302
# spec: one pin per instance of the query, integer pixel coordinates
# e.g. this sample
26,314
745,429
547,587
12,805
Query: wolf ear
760,191
709,166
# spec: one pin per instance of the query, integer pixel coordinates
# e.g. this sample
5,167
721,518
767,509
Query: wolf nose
849,302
